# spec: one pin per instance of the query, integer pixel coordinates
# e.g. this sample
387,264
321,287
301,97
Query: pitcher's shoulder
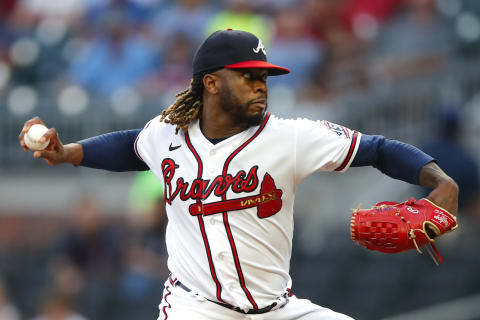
156,124
279,123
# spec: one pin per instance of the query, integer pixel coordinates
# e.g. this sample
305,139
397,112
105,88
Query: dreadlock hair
187,107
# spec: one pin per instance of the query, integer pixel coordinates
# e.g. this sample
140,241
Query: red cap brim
273,70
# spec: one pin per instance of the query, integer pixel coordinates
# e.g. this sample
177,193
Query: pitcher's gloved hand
392,227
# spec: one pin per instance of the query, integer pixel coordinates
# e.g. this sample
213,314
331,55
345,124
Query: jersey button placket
221,256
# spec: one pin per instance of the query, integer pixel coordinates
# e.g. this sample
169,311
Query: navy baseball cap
233,49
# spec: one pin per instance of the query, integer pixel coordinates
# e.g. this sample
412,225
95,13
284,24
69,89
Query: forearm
112,151
432,176
396,159
445,190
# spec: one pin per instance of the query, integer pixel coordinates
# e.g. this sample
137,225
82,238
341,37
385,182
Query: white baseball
32,137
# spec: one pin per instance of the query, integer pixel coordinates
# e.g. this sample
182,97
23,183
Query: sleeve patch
341,131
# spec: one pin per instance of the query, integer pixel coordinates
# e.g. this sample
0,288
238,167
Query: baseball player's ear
211,83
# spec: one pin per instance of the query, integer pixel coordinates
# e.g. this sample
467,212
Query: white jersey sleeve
144,136
323,146
152,142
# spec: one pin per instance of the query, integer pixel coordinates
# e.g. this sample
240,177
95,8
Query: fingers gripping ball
32,137
391,227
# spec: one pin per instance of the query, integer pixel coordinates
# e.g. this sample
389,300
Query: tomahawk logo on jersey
229,204
268,201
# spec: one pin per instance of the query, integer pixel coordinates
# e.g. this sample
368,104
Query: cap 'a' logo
260,47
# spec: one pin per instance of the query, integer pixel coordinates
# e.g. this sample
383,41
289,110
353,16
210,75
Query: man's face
244,95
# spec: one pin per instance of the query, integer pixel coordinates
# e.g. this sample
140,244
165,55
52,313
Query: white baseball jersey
230,204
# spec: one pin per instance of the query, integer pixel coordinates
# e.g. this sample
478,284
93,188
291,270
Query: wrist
445,195
73,153
449,184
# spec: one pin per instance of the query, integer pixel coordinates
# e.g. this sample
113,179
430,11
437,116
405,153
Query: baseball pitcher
230,170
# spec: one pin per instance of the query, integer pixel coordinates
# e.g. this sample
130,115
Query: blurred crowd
86,263
131,51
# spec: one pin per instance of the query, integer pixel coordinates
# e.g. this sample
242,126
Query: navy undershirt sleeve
394,158
112,151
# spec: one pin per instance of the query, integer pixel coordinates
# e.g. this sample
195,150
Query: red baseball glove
392,227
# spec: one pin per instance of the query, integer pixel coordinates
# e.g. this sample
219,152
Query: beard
239,111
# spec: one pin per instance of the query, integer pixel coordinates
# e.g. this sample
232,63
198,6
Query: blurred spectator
322,16
148,215
41,29
65,10
174,74
114,60
88,259
365,17
31,15
417,42
269,7
153,235
8,311
457,162
57,307
240,15
141,283
343,68
146,256
292,48
145,263
187,17
6,8
67,277
136,12
91,243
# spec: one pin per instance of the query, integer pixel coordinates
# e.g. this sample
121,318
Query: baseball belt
229,306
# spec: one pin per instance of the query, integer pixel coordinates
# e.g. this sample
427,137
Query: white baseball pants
178,304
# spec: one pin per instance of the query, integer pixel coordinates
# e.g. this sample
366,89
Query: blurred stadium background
84,243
